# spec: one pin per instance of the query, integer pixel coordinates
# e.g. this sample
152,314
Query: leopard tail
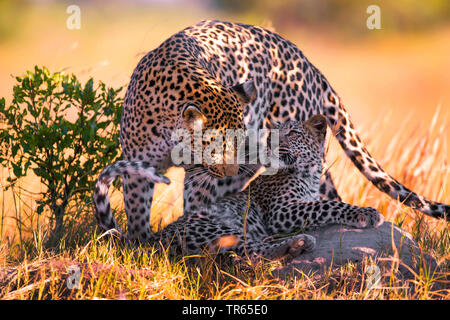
341,126
103,213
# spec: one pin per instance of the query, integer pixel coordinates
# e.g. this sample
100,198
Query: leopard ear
245,92
318,126
193,116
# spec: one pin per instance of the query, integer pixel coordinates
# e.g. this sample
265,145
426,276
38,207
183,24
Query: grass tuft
99,268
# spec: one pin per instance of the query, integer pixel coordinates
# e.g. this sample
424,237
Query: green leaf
40,208
17,170
14,149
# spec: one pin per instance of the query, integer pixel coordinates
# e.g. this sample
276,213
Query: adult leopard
201,76
247,222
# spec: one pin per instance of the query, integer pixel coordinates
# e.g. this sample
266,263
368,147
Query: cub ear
318,126
192,116
245,92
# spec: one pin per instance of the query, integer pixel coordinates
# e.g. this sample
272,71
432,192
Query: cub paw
300,244
369,218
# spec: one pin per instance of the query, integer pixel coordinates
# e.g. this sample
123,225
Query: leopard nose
231,169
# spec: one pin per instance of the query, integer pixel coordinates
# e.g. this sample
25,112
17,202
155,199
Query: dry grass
111,271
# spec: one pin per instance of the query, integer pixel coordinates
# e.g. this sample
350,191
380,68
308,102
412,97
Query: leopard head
212,112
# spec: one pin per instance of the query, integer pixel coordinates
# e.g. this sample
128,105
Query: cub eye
292,133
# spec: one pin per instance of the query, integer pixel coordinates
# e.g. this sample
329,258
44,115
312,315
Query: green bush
63,131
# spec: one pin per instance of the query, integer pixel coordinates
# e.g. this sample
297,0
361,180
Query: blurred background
397,76
402,69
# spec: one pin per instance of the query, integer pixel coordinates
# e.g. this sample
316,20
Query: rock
336,245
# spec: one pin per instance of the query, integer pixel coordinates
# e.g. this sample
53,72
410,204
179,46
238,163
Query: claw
165,180
380,220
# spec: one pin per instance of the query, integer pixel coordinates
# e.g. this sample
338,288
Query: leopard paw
368,218
300,244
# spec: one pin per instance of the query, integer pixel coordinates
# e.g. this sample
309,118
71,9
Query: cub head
301,144
212,112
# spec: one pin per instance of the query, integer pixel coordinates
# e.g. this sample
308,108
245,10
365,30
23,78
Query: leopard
266,218
222,75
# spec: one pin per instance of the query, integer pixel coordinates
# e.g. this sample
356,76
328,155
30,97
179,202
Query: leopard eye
292,133
192,114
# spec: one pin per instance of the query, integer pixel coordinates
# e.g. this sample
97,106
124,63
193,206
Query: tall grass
33,269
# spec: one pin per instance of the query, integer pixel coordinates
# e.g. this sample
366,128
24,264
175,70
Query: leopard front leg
138,195
295,216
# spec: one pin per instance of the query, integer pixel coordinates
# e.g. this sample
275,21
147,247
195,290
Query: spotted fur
226,76
282,203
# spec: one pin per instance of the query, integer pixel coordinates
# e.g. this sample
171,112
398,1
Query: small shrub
66,152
